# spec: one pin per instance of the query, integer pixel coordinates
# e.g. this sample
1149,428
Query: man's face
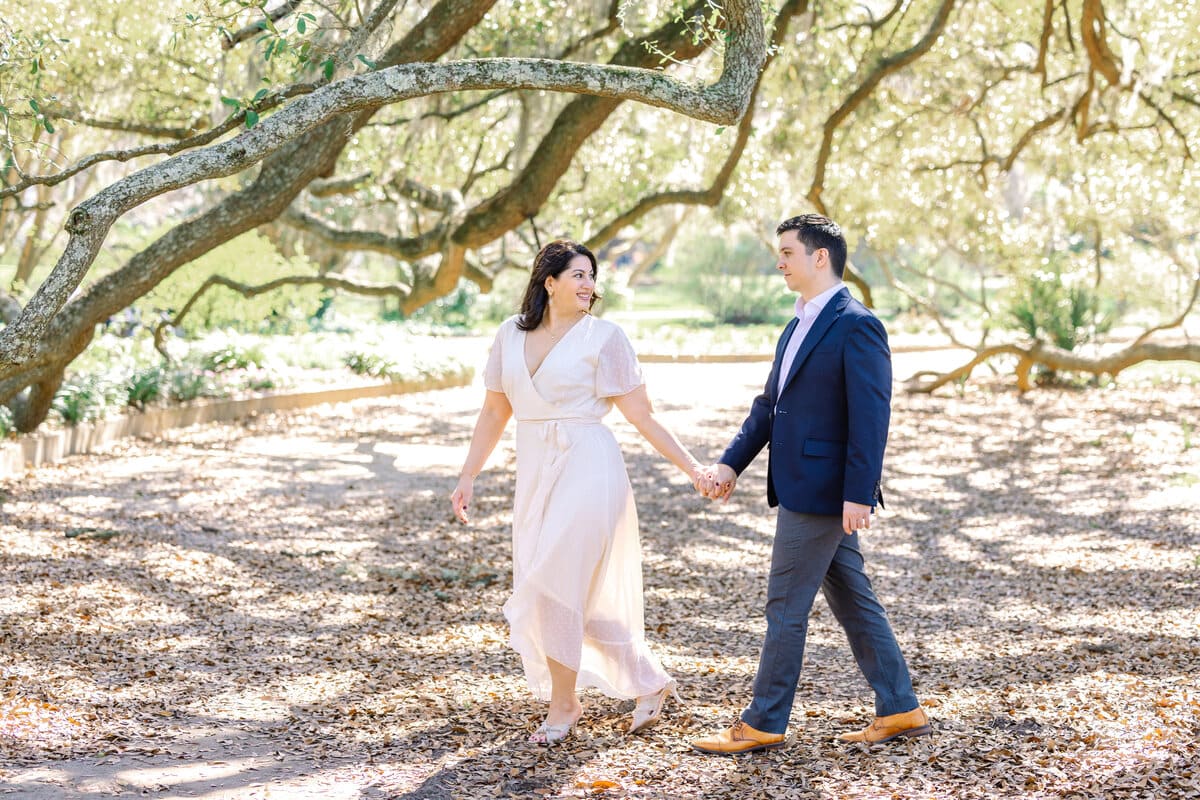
800,269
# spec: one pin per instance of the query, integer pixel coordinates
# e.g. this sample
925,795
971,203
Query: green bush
735,282
232,356
192,384
144,387
6,422
363,363
1046,308
80,400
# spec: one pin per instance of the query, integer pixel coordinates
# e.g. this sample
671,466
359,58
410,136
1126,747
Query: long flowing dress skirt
577,570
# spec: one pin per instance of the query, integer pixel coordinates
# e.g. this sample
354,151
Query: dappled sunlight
301,608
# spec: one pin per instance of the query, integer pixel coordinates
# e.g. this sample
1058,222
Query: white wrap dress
577,566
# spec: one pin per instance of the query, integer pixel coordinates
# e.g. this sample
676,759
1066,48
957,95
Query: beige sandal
552,734
649,707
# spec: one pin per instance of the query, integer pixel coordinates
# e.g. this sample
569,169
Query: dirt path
285,609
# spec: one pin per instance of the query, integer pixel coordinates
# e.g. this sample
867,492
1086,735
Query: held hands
460,498
717,482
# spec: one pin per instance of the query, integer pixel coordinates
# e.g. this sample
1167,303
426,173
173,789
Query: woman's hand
460,498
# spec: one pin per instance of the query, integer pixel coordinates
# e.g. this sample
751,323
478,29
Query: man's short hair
816,231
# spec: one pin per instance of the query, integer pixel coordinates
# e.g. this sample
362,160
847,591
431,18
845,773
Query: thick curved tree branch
1039,354
1095,41
583,116
723,101
282,177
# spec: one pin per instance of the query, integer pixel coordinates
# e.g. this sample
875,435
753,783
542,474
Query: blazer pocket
824,448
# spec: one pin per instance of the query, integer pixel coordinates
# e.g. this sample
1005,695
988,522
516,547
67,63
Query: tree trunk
31,408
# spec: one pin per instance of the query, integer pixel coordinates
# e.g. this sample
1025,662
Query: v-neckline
525,341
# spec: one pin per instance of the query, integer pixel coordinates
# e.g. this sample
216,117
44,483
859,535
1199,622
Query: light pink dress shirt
807,313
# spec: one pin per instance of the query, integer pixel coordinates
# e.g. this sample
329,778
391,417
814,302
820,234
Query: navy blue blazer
826,422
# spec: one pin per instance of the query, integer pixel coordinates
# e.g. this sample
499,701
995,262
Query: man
824,414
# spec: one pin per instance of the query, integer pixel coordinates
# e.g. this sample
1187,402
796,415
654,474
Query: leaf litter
289,600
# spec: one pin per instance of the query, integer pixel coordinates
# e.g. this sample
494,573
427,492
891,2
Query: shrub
1046,308
363,363
735,282
232,356
144,387
80,400
192,384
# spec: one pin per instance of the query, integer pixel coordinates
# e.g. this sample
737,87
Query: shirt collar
818,303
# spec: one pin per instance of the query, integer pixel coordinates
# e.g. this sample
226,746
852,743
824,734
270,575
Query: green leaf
270,49
251,118
229,101
301,25
3,111
720,130
260,94
33,68
328,65
309,17
34,105
46,124
366,61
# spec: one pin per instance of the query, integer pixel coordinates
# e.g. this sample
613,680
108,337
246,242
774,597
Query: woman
575,613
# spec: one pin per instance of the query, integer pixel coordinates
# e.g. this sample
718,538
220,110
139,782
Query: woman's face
572,290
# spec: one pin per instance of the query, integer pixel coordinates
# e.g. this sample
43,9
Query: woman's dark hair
550,262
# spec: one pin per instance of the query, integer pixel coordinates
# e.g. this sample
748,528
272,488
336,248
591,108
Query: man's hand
855,517
718,482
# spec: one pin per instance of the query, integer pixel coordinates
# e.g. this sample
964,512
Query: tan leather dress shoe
740,738
884,729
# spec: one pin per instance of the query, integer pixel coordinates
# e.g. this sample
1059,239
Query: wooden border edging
38,449
750,358
705,358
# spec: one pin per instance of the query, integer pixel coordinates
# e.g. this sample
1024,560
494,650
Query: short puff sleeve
617,371
494,369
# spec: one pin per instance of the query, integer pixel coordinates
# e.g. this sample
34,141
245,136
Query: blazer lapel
833,309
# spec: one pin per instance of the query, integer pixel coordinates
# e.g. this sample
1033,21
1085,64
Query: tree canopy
972,151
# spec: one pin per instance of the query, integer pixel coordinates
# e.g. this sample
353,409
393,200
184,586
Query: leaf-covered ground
285,608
